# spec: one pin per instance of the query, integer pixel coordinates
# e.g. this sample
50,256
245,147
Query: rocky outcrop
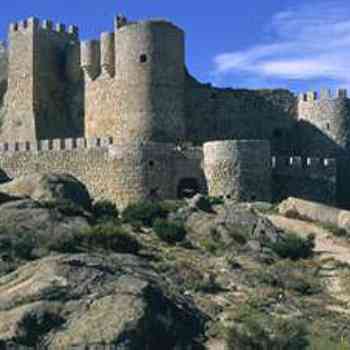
63,301
232,223
49,188
312,211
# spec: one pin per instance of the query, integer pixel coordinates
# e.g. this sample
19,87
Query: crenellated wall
129,94
308,178
45,91
324,122
120,173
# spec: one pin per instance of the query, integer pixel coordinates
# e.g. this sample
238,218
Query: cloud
309,42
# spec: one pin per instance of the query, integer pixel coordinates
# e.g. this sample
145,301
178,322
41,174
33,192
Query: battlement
95,142
48,25
55,145
324,94
303,166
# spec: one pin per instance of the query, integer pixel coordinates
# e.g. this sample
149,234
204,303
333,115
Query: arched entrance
187,188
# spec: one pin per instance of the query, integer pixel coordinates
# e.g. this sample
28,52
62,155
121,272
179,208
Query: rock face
29,230
231,222
49,188
63,300
312,211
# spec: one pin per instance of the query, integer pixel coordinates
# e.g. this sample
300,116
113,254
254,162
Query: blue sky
295,44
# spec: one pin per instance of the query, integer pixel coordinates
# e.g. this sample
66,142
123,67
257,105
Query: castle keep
123,114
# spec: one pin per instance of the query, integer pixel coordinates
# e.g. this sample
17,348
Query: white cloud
306,43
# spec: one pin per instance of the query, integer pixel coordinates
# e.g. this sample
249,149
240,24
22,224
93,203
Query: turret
330,117
238,170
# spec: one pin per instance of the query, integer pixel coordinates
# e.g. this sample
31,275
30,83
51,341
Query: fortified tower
238,170
135,83
44,66
325,132
325,122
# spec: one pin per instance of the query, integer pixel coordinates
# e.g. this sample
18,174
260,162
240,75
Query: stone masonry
123,114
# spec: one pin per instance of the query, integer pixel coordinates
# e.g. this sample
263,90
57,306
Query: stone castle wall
308,178
131,85
238,170
144,99
219,114
3,71
120,173
324,123
44,80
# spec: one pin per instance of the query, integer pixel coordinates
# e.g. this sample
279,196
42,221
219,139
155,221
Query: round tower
238,170
324,123
149,77
143,171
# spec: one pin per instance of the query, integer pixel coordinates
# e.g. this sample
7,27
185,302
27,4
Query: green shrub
145,213
335,230
212,246
216,201
105,210
257,330
109,237
294,247
171,206
297,276
17,246
325,343
65,207
169,231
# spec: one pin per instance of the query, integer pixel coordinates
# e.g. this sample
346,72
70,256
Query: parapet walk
278,163
88,143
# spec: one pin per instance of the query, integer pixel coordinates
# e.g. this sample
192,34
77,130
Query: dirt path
326,244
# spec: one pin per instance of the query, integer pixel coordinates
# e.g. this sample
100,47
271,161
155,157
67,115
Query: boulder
232,223
49,188
5,198
317,212
29,230
76,300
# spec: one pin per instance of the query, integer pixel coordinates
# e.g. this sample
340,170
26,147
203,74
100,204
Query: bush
105,210
168,231
18,246
144,213
335,230
216,201
109,237
297,276
65,207
294,247
325,343
259,331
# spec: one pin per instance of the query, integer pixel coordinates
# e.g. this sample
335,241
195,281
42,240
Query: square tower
43,81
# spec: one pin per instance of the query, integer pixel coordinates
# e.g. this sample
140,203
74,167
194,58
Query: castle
124,116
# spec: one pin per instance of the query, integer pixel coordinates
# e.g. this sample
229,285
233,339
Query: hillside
196,274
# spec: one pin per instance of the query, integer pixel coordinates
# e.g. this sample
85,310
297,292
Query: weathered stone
307,210
49,188
94,299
